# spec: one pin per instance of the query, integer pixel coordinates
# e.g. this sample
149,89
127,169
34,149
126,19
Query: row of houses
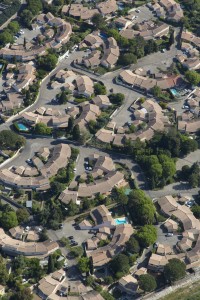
56,286
149,112
190,121
41,173
13,247
105,179
109,47
187,249
145,84
17,79
64,31
148,30
191,38
80,11
169,9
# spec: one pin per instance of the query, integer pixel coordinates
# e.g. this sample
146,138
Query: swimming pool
121,221
174,92
103,35
22,127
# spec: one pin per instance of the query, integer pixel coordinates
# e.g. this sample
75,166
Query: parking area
167,240
28,34
143,13
79,236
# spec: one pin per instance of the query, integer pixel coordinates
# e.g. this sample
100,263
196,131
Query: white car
75,169
138,10
169,234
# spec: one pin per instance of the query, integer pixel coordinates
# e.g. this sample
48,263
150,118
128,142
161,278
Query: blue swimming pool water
120,6
174,92
103,35
121,221
22,127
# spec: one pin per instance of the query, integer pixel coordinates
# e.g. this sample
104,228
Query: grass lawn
190,292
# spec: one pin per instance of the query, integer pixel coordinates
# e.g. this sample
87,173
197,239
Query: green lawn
190,292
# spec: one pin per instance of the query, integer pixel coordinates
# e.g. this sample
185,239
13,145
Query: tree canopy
193,77
127,59
147,235
43,129
174,270
117,99
10,140
132,246
141,207
84,264
8,219
99,89
120,265
147,283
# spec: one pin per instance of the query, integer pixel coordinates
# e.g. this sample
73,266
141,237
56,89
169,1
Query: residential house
128,284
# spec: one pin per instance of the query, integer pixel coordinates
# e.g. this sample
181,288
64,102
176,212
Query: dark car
70,237
74,244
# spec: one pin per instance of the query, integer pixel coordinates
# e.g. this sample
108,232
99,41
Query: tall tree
51,264
76,132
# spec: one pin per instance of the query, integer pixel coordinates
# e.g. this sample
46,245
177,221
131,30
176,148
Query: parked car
71,237
169,234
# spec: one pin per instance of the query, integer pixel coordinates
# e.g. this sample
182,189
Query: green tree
14,27
48,62
127,59
76,132
147,283
193,77
84,264
171,38
51,264
174,270
3,272
77,251
10,140
8,220
26,17
147,235
72,208
43,235
70,125
196,211
98,20
108,280
118,194
117,99
63,98
89,280
141,207
5,37
99,89
24,294
132,246
22,215
43,129
56,187
120,264
156,91
35,6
